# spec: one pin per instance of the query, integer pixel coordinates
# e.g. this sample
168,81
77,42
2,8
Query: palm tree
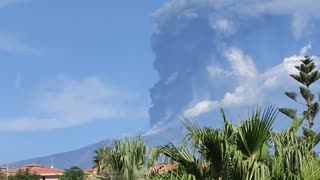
100,160
129,159
231,153
245,152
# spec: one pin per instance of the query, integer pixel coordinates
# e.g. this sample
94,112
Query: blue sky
77,72
93,50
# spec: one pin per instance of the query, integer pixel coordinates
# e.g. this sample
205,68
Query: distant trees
24,175
74,173
2,175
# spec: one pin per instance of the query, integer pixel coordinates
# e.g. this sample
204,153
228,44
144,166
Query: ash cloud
192,36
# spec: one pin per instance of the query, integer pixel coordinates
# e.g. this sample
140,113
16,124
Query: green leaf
297,78
308,132
314,110
306,94
304,78
292,95
227,125
254,133
298,67
306,61
313,77
317,139
296,124
311,67
291,113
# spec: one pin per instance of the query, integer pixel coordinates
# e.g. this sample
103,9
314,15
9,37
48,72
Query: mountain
81,157
158,135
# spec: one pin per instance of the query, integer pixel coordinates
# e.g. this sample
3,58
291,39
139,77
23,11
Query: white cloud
278,75
241,64
304,50
224,26
28,124
247,90
218,72
74,102
303,13
200,108
190,14
10,44
252,86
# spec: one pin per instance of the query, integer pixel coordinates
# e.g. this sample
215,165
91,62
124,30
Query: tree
306,77
294,156
128,159
244,152
231,153
2,175
74,173
92,176
24,175
100,160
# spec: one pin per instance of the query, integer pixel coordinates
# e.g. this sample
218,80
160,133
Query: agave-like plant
294,156
128,160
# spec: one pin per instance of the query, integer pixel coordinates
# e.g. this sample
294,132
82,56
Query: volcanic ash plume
192,38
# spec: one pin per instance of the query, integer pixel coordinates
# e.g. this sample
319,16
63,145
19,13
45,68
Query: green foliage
100,160
2,175
177,174
129,159
25,175
244,152
93,176
307,76
232,153
291,113
186,159
74,173
248,152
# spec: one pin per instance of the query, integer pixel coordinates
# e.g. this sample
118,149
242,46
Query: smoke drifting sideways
192,36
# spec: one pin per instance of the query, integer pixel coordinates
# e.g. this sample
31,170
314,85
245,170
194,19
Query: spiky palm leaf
186,160
253,135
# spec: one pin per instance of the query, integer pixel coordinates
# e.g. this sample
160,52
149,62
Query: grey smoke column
185,43
191,35
182,48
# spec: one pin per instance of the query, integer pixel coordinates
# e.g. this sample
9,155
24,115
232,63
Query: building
163,168
92,171
44,172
